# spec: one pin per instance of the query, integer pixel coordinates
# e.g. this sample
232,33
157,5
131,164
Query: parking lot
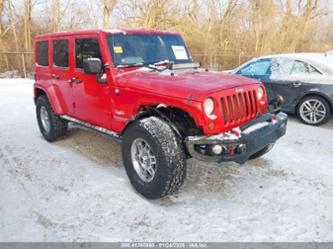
77,190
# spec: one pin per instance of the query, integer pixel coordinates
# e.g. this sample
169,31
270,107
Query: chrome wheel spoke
146,148
314,117
139,148
307,105
317,105
151,171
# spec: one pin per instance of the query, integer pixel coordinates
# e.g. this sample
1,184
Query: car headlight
260,93
209,106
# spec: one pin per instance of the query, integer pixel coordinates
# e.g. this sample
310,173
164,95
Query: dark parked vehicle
304,80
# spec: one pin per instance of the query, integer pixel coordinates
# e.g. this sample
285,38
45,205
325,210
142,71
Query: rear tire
154,158
262,152
314,110
50,125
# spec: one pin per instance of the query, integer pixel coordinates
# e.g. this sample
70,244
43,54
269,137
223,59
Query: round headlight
209,106
260,93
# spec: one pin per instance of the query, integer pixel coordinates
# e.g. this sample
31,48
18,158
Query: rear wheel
153,157
50,125
314,110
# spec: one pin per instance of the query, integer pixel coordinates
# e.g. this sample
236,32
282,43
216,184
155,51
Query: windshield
147,49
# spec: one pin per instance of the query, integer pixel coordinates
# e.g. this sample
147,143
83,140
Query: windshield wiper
153,66
162,62
156,64
130,65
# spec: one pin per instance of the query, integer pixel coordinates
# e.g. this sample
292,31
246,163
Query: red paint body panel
99,104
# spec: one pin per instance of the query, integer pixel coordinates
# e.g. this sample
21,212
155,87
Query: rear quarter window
42,53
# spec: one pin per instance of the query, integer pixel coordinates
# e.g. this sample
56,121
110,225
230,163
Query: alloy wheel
143,160
312,111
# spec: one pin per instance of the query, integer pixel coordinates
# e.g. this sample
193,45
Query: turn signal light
211,126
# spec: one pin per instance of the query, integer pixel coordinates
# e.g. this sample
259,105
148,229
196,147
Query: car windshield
147,49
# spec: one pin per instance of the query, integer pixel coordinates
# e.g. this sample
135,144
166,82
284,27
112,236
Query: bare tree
1,33
56,15
27,24
107,10
307,12
1,11
216,31
12,24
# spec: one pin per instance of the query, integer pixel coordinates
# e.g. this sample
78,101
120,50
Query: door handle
75,80
297,84
55,76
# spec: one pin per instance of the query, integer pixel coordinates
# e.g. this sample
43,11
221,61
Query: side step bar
93,127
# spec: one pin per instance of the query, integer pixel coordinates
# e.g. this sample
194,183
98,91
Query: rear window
43,53
60,53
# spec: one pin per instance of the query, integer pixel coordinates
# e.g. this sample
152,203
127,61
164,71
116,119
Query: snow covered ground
77,190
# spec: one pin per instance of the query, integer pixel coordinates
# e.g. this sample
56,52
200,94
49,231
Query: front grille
239,107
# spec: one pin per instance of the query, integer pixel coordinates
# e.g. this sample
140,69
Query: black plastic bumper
254,136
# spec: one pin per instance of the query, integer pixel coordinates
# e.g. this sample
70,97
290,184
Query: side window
61,53
86,48
246,70
301,67
257,68
43,53
281,67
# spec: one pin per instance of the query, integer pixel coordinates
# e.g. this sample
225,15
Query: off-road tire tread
174,153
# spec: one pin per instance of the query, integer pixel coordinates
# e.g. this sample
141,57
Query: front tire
314,110
50,125
154,158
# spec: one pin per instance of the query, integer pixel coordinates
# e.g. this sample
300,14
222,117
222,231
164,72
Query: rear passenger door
62,71
92,99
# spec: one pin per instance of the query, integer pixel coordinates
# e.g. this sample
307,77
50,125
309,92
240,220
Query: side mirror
93,66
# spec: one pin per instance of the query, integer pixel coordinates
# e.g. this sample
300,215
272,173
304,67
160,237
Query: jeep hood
198,84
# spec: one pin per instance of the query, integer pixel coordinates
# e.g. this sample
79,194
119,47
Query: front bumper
252,137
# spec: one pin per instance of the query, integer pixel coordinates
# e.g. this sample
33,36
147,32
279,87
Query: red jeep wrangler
141,86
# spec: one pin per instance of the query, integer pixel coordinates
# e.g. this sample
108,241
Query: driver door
92,99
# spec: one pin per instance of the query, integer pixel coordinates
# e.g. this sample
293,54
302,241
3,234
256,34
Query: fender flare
54,97
156,113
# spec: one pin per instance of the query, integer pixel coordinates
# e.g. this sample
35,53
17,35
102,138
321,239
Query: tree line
216,31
